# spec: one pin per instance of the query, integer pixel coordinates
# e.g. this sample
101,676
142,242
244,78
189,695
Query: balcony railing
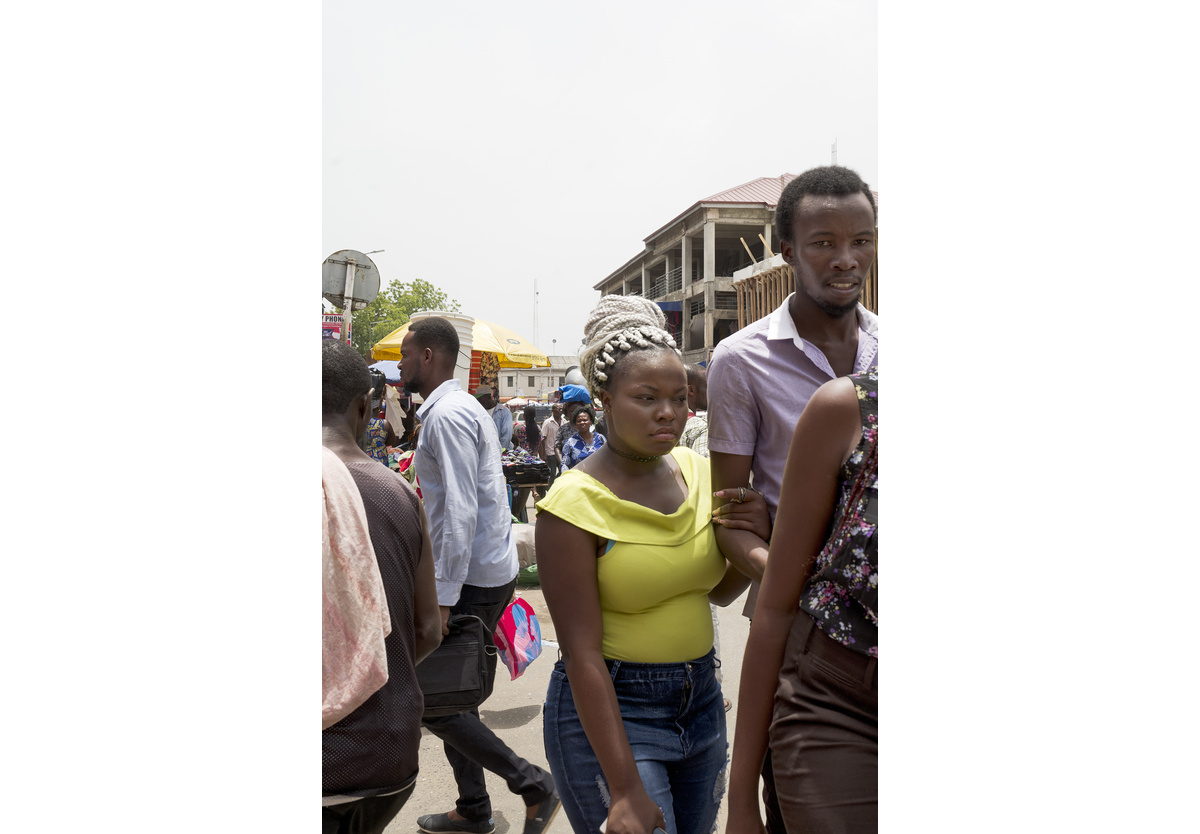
726,301
666,283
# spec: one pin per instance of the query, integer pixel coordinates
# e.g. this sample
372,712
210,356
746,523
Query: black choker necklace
632,456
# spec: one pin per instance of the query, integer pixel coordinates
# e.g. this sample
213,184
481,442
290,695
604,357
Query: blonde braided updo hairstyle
618,325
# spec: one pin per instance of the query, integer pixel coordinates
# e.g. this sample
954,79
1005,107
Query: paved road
514,712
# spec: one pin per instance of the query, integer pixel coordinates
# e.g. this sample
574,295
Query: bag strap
469,622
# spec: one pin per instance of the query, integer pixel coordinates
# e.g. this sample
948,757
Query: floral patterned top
377,440
842,594
524,440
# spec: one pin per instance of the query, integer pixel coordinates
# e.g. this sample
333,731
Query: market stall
485,348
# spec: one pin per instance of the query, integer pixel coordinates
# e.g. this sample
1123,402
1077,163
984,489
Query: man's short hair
695,374
437,334
344,376
828,180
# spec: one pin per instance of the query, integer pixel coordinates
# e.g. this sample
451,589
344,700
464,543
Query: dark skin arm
746,549
741,510
427,623
730,587
828,431
409,421
567,572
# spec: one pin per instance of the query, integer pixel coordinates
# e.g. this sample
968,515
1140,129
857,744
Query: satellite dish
333,279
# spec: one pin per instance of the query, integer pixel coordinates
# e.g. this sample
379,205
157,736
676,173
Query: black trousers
553,465
364,816
471,747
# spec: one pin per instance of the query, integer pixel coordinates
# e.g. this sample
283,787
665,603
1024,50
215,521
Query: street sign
331,326
333,278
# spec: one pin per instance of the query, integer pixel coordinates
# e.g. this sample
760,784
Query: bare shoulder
832,417
836,398
561,544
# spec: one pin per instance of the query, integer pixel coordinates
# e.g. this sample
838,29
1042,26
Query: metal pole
348,299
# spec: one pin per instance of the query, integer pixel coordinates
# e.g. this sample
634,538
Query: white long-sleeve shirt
458,467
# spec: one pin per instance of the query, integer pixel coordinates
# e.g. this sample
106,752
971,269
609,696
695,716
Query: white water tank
464,326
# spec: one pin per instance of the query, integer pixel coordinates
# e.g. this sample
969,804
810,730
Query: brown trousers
824,736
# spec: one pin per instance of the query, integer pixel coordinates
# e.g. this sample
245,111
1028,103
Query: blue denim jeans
674,717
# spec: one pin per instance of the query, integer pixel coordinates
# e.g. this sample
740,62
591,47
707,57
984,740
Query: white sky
165,191
511,142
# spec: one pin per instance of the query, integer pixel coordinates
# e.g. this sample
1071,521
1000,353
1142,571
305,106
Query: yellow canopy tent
512,350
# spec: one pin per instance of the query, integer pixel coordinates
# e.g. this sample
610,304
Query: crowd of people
759,471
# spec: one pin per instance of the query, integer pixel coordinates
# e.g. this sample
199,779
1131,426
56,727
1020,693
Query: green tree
392,308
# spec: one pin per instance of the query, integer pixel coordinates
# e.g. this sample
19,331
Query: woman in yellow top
634,723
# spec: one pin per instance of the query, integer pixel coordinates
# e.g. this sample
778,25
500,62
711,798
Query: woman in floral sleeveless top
809,682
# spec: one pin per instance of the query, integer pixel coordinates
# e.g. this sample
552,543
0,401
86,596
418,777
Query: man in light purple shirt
765,374
761,377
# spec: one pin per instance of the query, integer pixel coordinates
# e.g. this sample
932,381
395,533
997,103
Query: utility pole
536,343
348,310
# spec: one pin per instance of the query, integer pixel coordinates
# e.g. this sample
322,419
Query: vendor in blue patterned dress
586,441
378,435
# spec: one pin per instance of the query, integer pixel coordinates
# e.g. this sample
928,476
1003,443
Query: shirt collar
436,394
781,326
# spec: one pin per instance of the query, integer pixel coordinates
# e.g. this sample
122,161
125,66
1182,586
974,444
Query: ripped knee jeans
674,717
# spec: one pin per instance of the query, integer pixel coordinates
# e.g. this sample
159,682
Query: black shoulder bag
457,677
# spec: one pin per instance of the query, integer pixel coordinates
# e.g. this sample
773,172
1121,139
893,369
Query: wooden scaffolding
759,294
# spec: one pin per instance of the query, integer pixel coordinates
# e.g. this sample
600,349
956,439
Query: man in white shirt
546,448
475,564
500,415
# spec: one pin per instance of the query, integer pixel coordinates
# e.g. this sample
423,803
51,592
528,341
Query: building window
697,306
726,301
530,382
562,380
510,381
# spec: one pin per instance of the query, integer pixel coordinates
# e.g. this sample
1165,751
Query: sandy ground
514,712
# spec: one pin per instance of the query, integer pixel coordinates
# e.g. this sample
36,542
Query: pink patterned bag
518,637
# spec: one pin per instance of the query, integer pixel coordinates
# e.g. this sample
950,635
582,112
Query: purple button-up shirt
759,381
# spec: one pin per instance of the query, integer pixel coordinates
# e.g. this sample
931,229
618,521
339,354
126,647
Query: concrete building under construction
687,265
